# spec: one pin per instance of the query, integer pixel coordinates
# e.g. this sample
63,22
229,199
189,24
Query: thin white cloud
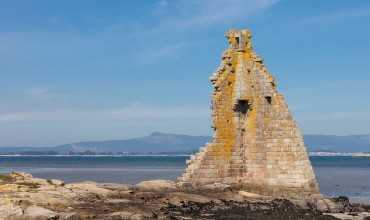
178,17
39,93
132,112
152,55
221,11
163,37
337,16
190,14
162,3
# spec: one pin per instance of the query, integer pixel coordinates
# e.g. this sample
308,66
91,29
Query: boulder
177,198
140,217
85,188
115,186
332,205
117,201
69,216
39,213
156,185
10,211
121,215
343,216
56,182
130,216
220,187
20,175
325,205
252,195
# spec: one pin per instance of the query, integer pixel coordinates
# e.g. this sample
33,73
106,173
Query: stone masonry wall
257,144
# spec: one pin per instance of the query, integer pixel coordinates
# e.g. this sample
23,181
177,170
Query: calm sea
348,176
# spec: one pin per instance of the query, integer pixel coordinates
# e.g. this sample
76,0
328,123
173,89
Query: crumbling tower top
239,40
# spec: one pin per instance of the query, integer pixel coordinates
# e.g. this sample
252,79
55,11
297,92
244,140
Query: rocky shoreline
23,197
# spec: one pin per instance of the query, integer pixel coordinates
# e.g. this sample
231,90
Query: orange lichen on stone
257,145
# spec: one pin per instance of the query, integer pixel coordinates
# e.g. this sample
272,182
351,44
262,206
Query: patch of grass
30,185
5,178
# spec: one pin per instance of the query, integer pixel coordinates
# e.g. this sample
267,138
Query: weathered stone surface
39,213
88,188
69,216
252,195
56,182
115,186
347,216
215,187
9,211
122,215
20,175
257,145
156,185
178,197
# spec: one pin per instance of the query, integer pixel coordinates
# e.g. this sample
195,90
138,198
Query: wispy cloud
86,48
39,93
160,36
192,14
337,16
132,112
221,12
153,54
162,5
174,18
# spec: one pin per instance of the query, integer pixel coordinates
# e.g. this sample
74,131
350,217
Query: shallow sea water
347,176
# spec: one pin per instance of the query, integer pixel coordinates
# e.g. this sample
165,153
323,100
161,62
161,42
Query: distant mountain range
163,143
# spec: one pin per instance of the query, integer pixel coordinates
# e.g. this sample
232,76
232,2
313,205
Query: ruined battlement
239,40
257,145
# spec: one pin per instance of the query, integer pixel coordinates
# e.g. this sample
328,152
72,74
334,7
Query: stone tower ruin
257,145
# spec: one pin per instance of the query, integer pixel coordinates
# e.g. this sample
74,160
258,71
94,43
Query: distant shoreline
97,155
337,154
312,154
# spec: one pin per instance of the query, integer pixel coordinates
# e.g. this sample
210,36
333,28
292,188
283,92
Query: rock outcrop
156,185
23,197
257,145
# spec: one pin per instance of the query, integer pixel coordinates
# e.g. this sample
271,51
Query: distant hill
164,143
155,143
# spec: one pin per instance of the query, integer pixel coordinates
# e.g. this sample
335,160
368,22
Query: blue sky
78,70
